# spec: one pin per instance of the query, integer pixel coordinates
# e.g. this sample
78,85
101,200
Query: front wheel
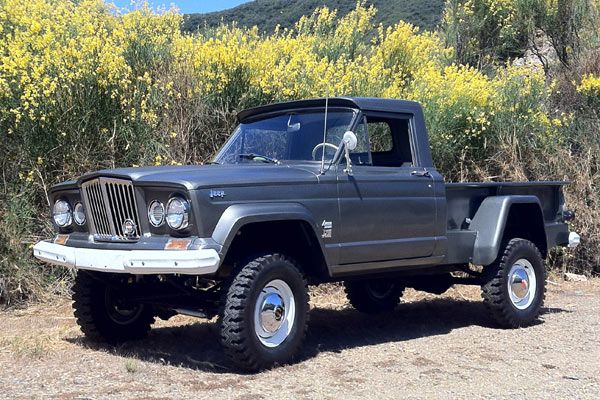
103,315
265,313
514,289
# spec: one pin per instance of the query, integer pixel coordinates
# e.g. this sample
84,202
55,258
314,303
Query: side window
389,138
361,155
380,136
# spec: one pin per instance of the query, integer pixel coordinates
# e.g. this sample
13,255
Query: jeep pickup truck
304,192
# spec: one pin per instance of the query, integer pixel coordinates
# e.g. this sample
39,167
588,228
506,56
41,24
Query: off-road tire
92,313
364,298
495,290
238,335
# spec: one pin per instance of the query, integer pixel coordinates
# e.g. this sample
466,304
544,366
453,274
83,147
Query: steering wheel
314,152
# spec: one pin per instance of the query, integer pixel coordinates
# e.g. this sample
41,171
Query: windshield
290,136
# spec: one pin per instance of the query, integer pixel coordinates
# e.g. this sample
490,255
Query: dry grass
131,366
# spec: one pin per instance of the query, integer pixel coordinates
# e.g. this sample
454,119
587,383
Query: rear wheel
265,313
373,296
515,285
103,315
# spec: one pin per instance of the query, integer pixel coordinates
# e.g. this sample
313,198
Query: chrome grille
109,203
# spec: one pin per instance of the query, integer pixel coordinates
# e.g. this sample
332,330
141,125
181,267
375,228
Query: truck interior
389,141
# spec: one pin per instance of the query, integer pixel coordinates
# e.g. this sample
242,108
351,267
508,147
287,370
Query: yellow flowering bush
590,89
457,99
482,30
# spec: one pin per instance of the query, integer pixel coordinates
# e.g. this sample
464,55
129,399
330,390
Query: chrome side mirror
349,141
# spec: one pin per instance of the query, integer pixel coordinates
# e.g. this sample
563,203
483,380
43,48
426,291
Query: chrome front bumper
187,262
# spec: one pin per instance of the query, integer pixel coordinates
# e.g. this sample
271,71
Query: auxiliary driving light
156,213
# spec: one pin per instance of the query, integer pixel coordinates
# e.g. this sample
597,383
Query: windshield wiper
258,157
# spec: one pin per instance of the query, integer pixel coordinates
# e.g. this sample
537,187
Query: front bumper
143,262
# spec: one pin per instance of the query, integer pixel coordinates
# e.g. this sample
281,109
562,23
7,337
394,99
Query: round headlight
62,213
79,214
156,213
177,213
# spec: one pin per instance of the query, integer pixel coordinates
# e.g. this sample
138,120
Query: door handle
421,173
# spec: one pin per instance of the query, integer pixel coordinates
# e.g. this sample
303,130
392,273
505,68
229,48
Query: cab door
387,204
386,214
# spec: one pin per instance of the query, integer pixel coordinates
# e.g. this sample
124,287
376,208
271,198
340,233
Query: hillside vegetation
268,14
83,88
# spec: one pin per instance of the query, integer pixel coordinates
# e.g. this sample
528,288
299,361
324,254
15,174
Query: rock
571,277
539,53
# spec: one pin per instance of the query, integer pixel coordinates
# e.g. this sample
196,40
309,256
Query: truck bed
463,201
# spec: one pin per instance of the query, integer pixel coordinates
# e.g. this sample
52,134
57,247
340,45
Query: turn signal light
178,244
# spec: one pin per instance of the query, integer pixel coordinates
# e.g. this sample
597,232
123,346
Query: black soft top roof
362,103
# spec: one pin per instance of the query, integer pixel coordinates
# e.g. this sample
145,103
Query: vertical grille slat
98,218
119,207
103,229
101,210
134,210
109,204
98,205
118,216
129,205
122,204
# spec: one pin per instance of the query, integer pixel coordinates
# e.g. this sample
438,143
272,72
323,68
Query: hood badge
129,228
216,194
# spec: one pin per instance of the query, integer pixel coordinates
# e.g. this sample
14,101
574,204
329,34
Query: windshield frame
356,114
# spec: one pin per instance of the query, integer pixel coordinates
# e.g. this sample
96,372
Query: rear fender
490,222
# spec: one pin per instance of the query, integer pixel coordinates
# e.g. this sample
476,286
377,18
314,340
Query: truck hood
207,176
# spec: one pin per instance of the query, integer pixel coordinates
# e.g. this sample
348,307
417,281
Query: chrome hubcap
519,284
274,313
522,284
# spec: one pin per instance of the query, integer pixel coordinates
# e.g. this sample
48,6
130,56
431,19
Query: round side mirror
350,140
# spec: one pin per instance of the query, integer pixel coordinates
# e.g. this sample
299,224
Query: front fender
238,215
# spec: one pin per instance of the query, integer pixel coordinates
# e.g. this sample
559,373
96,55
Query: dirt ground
430,347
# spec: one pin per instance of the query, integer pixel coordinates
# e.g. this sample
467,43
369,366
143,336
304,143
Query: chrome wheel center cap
519,283
272,312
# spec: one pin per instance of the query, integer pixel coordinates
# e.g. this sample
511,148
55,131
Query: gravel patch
430,347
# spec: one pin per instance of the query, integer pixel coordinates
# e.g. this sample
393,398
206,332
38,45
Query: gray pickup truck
305,192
